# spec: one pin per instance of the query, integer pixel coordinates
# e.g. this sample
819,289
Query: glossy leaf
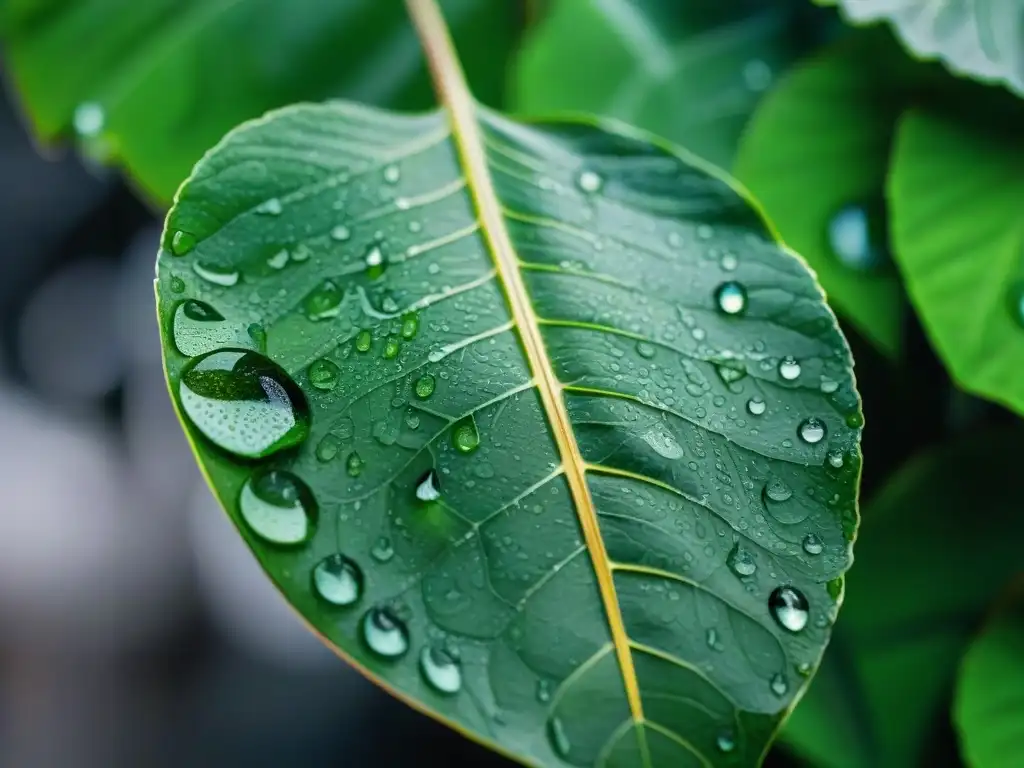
983,39
691,72
816,154
955,192
548,444
922,585
153,84
989,710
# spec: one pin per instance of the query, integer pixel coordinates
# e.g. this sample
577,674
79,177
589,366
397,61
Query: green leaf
692,72
536,424
989,710
983,39
923,580
815,155
955,196
153,84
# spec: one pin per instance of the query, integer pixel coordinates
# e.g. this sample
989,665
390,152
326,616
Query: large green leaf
692,72
990,692
983,39
815,155
936,545
154,83
556,439
955,195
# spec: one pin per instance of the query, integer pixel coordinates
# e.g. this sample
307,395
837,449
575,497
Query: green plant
534,420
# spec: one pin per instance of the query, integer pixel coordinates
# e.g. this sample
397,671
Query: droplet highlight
789,608
216,274
731,298
589,182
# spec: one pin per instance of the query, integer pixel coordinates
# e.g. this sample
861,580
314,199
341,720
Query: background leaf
154,84
936,544
691,72
955,194
990,692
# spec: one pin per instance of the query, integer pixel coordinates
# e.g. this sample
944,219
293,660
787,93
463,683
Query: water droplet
177,285
857,238
789,608
589,181
777,491
271,207
88,120
560,742
257,335
465,436
428,487
199,328
374,260
328,448
731,297
789,369
440,670
392,174
664,443
1015,300
756,406
812,544
323,374
182,242
341,233
364,340
705,232
244,403
278,507
811,430
410,326
855,420
279,260
741,562
728,262
382,550
828,386
779,685
757,75
645,349
385,634
354,465
391,348
725,742
543,691
711,638
730,372
425,386
804,669
338,580
216,274
835,458
324,302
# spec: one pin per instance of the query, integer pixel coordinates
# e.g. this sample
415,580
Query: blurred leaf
955,194
691,72
935,547
989,709
469,467
815,156
983,39
153,84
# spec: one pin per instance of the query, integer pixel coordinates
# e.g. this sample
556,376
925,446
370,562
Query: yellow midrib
454,94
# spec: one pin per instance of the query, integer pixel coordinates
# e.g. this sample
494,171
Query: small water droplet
543,691
425,386
828,386
338,580
705,232
392,174
779,685
711,638
374,260
391,348
278,507
756,406
731,297
835,458
856,238
279,260
182,242
88,120
741,561
271,207
789,368
645,349
811,430
804,669
354,465
328,448
465,436
410,326
812,544
789,608
777,491
341,233
385,634
440,670
589,181
428,487
244,403
177,285
559,740
217,274
382,550
728,262
855,420
323,374
730,372
725,742
324,302
364,340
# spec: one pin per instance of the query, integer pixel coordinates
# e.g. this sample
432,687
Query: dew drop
804,669
354,465
789,368
705,231
465,436
828,386
835,458
728,262
777,491
271,207
756,406
731,298
589,181
428,487
337,580
88,120
645,349
425,386
410,326
182,242
328,448
324,302
199,328
278,507
391,348
725,742
812,544
216,274
374,260
279,260
440,670
364,340
341,233
789,608
730,372
811,430
664,443
382,550
392,174
857,238
177,285
779,685
257,335
855,420
384,633
741,562
323,374
559,740
244,403
543,691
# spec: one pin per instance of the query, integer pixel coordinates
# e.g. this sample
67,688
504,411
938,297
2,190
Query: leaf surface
468,390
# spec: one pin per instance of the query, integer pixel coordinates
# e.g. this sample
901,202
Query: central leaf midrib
453,94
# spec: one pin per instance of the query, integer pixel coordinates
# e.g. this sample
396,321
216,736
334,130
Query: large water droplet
428,487
278,507
589,181
182,242
731,297
811,430
857,238
382,550
338,580
465,436
440,670
217,274
812,544
88,120
385,634
324,302
756,406
664,443
777,491
789,608
323,374
425,386
244,403
789,369
741,561
779,685
725,742
271,207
